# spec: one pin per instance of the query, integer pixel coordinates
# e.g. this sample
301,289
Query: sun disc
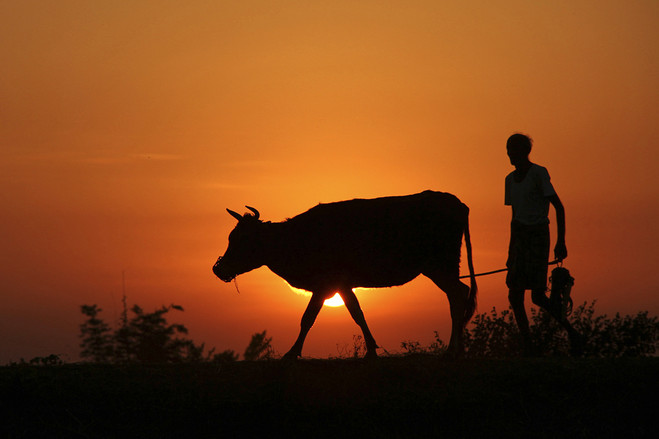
335,300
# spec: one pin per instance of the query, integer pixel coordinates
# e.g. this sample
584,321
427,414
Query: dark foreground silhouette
374,243
417,396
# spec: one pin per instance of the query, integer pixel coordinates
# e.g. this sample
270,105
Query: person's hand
560,251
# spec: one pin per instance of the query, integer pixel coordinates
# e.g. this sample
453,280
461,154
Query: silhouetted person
529,191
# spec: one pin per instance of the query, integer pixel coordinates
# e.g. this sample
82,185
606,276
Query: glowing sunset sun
333,301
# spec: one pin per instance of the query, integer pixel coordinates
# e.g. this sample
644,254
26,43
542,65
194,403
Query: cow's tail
473,289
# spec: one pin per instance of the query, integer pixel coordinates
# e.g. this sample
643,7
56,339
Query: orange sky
128,128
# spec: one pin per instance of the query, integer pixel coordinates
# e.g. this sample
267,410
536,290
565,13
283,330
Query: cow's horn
234,214
255,212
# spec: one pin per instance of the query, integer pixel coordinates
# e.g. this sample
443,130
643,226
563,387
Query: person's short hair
519,140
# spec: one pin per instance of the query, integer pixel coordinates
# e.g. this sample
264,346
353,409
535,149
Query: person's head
519,148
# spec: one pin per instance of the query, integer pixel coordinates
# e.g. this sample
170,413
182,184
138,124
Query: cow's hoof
290,356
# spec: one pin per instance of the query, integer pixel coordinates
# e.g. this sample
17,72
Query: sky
128,127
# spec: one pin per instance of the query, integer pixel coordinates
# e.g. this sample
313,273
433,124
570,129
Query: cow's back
381,241
409,214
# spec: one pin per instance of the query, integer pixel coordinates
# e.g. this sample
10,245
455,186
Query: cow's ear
234,214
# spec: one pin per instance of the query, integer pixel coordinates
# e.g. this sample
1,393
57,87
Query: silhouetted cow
374,243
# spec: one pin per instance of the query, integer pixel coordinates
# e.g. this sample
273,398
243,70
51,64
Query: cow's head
245,247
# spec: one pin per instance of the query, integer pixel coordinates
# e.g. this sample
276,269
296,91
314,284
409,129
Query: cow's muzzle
222,274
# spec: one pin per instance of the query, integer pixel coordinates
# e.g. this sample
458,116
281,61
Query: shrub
259,348
496,335
492,335
412,347
227,356
628,336
97,342
145,338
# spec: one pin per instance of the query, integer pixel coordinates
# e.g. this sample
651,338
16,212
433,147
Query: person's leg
516,299
576,341
539,297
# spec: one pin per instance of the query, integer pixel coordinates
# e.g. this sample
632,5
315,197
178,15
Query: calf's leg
458,294
308,319
357,314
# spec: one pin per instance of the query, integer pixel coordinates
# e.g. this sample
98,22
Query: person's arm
560,251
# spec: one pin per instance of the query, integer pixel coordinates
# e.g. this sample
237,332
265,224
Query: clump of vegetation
259,348
358,349
495,335
149,338
617,336
98,344
411,347
144,338
48,360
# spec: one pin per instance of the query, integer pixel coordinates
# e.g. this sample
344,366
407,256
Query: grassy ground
420,396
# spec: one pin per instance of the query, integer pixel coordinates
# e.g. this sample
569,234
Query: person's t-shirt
529,197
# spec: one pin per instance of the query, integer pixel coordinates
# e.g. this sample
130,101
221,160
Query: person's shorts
528,257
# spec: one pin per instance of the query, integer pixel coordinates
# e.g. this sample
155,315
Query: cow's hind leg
458,296
308,319
357,314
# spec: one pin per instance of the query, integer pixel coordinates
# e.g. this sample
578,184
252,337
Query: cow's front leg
308,318
355,310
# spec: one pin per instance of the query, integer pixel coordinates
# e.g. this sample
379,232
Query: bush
146,338
411,347
259,348
227,356
620,336
97,339
495,335
492,335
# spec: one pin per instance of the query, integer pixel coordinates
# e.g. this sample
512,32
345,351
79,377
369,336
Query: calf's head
245,247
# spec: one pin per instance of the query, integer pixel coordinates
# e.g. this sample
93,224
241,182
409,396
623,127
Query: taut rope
504,269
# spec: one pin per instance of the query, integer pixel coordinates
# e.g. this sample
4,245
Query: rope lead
557,261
